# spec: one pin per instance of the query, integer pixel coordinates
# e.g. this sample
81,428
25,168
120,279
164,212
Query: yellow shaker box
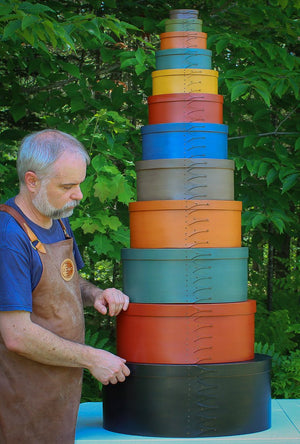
173,81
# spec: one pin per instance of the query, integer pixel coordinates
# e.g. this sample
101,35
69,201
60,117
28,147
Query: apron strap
64,229
35,243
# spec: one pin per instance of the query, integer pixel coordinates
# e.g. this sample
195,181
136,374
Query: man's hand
113,299
108,368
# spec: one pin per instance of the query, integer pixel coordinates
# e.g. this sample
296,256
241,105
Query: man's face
60,193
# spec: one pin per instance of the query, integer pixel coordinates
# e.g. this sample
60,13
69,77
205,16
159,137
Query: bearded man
42,298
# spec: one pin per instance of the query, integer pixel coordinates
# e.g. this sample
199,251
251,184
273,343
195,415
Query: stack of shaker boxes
188,335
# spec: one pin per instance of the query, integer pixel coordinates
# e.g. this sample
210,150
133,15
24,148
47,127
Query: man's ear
32,182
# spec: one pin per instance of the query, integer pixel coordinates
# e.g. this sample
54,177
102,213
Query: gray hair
39,151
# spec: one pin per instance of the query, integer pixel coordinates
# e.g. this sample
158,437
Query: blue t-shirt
20,264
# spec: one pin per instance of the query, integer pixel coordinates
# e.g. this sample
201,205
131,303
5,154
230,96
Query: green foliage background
85,68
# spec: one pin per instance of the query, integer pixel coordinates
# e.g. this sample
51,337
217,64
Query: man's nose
77,194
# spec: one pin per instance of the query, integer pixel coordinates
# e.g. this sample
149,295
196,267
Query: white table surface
285,428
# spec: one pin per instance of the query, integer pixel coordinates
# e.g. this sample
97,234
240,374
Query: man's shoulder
8,223
11,233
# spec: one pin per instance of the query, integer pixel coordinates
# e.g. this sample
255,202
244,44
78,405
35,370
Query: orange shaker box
183,39
185,224
187,333
185,107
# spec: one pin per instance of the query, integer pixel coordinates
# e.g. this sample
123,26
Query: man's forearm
28,339
88,292
34,342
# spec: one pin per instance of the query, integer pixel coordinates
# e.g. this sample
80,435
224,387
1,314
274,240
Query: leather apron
39,403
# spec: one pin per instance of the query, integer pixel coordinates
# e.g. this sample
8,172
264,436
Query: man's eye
67,187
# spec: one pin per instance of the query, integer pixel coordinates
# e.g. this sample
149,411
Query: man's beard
43,205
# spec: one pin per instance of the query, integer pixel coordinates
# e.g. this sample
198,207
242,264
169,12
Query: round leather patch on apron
67,269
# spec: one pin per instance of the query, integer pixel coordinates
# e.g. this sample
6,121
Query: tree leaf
92,226
71,69
239,162
263,92
221,45
249,140
92,28
126,193
28,20
129,62
112,169
295,86
46,69
263,168
285,171
34,8
111,222
98,162
281,87
102,244
6,9
11,28
140,68
278,222
271,176
110,3
77,103
258,219
105,188
18,111
87,186
29,36
140,55
289,182
238,90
